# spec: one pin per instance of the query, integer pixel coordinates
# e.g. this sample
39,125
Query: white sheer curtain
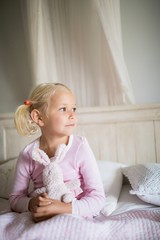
39,40
75,43
119,83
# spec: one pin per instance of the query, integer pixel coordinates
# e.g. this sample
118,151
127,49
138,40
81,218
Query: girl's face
60,119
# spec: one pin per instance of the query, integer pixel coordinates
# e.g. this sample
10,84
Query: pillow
7,170
112,177
145,181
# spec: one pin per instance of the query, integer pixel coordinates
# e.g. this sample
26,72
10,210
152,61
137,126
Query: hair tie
27,102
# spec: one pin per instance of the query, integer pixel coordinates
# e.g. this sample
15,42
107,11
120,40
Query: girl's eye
62,109
74,109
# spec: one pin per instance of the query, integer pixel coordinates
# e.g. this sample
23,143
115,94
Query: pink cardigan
78,163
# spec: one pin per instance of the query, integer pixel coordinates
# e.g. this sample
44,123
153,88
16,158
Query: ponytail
24,123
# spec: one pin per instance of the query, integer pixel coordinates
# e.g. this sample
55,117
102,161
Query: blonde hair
39,99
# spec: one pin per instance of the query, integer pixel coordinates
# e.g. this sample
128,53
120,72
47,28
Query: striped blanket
132,225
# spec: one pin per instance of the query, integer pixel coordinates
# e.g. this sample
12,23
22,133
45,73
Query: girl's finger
43,199
44,203
45,195
39,219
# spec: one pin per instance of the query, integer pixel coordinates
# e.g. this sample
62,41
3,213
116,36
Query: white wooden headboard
128,134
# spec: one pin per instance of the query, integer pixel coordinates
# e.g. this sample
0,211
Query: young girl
52,108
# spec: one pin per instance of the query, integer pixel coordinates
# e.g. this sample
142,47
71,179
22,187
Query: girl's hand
40,200
47,211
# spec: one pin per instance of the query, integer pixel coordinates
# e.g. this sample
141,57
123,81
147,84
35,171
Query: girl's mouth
70,125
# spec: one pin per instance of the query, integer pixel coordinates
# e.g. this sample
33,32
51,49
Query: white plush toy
53,177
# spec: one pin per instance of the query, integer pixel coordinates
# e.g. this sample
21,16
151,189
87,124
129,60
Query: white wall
141,44
141,40
15,79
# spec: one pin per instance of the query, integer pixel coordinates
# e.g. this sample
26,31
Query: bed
126,144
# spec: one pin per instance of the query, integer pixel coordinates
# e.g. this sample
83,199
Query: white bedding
128,202
133,225
132,219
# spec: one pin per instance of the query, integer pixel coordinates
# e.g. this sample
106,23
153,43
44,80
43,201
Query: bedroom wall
141,44
15,79
141,40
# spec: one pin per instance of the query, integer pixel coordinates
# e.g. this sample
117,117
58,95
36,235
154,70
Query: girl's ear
36,117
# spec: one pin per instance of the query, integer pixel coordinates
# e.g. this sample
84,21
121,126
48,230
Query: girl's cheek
76,120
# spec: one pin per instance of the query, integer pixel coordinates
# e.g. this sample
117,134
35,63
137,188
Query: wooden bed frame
128,134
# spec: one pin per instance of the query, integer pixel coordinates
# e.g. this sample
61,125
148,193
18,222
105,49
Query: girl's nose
72,114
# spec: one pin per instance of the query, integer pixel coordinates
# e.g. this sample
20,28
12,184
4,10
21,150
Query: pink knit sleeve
93,196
